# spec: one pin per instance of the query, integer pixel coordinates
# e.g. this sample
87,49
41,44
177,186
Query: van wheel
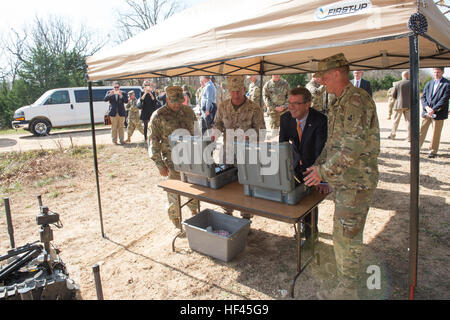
40,127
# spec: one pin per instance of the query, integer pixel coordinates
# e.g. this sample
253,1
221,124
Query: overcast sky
95,14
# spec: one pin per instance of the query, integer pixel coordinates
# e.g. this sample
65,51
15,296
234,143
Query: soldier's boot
247,216
338,293
227,211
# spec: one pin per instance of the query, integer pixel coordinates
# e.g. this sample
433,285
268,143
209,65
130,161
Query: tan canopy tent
275,36
288,36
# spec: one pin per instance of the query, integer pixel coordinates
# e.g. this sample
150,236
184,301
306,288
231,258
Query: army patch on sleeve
353,119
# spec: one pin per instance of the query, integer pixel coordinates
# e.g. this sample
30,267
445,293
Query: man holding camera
117,113
148,105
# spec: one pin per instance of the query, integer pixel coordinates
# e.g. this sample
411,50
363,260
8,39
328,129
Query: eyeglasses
297,103
116,87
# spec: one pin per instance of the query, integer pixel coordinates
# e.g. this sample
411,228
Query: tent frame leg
415,160
94,149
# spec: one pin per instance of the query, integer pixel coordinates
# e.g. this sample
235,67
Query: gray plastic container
192,167
279,187
217,182
292,198
213,245
195,146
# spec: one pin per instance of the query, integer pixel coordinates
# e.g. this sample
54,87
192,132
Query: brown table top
232,196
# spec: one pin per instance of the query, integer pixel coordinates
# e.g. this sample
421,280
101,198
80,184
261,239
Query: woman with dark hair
187,96
148,105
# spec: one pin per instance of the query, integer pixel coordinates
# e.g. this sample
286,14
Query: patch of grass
112,175
44,182
11,188
54,194
13,131
11,163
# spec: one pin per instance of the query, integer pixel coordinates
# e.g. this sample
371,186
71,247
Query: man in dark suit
359,82
402,97
306,129
435,99
117,112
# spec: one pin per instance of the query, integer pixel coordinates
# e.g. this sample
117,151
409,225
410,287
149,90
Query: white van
59,108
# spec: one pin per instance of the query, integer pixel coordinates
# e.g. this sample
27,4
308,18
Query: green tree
295,80
8,104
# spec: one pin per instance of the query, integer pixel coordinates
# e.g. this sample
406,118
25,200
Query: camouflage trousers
351,208
172,205
134,124
391,102
275,120
244,215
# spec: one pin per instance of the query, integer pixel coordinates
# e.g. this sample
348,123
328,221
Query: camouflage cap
130,92
235,83
175,94
333,62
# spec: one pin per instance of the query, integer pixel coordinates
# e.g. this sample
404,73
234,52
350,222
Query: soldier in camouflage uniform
238,113
254,91
134,121
174,115
314,86
321,99
226,94
275,96
391,102
349,163
198,96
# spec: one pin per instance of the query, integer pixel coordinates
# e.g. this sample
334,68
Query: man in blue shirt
208,103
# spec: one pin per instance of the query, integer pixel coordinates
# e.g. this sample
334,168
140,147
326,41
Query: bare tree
54,33
141,15
14,45
58,36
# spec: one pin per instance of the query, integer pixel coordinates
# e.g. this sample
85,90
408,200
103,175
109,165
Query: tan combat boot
128,140
338,293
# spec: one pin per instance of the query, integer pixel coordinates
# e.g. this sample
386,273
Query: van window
59,97
83,95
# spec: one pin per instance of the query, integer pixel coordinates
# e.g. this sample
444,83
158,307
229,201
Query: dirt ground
136,260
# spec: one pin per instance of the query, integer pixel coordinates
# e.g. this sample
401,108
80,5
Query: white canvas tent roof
276,36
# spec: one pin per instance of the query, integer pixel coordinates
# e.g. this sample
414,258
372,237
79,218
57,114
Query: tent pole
261,85
414,191
94,148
